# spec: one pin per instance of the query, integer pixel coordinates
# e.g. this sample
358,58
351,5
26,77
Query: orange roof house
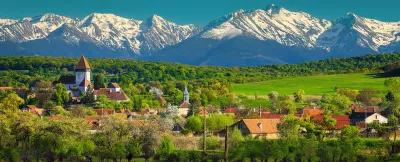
34,110
312,111
372,109
102,111
265,128
113,96
230,111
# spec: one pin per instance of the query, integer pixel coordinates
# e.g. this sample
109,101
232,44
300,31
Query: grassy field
313,85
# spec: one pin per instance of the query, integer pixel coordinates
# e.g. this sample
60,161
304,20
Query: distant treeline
146,71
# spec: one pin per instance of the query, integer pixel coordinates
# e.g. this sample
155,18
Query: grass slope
313,85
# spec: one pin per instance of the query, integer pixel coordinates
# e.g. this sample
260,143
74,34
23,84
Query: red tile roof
104,111
33,109
230,110
161,100
82,64
116,96
185,105
267,125
341,120
203,112
312,111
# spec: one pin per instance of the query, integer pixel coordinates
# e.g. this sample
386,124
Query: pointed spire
186,91
82,64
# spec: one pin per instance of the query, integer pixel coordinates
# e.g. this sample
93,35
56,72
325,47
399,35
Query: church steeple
82,64
186,95
82,72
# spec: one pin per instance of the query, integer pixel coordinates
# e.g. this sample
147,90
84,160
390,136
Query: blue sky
198,12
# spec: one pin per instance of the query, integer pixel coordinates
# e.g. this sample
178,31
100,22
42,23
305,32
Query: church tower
186,95
82,71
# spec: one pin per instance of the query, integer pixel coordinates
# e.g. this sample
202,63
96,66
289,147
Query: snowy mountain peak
273,9
50,22
4,22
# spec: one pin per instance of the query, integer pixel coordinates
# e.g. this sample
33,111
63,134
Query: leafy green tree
43,91
351,94
60,94
299,96
336,104
219,121
393,84
166,147
194,124
274,99
11,102
133,148
349,143
235,137
289,127
49,108
368,96
99,81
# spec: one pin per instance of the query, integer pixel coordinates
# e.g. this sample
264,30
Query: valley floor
312,85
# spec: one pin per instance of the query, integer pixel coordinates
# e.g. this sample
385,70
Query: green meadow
312,85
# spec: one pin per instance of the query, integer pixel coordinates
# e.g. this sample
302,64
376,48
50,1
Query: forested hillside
146,71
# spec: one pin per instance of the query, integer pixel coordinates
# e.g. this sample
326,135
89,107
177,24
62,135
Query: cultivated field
313,85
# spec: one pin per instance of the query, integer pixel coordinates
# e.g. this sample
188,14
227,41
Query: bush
212,143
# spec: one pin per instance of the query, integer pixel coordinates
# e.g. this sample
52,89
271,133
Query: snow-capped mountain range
252,37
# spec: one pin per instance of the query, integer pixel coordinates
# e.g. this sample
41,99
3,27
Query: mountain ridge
244,37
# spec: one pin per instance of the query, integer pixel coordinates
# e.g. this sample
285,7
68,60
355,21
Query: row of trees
49,68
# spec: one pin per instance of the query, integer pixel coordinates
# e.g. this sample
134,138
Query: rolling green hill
313,85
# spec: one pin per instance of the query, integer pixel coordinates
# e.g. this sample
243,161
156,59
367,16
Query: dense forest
146,71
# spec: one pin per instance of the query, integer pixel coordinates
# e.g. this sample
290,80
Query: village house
371,109
309,110
258,128
34,110
230,111
361,119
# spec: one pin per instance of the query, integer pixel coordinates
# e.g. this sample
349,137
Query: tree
49,108
166,147
274,99
289,127
335,103
328,122
219,121
43,91
99,81
104,102
11,102
393,84
235,137
299,96
351,94
60,94
349,143
368,96
133,148
88,97
194,124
